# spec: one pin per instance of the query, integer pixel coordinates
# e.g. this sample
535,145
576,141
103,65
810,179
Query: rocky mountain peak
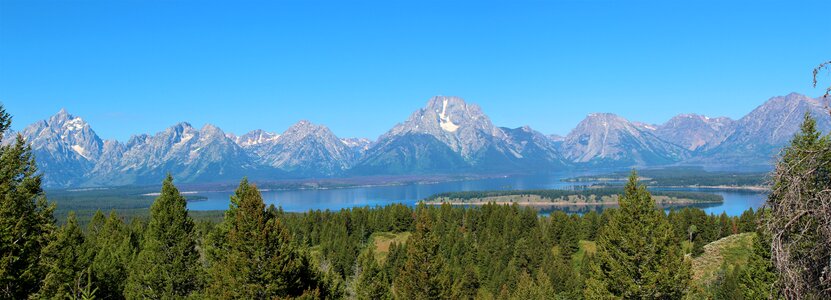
603,122
255,138
70,144
609,138
308,148
461,126
210,130
66,121
304,128
357,143
777,119
759,135
696,132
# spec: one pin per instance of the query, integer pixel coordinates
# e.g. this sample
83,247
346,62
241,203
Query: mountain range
447,136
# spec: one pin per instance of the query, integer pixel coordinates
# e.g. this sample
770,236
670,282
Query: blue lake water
735,202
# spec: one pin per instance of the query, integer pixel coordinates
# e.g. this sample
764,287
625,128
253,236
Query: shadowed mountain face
447,136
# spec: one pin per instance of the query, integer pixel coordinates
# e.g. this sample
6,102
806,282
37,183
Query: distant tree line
557,195
684,176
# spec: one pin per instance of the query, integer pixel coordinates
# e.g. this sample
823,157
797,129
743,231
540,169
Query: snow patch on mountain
80,150
446,123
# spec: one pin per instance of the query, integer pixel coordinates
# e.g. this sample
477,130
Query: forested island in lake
683,177
598,196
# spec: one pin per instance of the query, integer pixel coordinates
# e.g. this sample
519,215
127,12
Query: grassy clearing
586,248
732,250
383,240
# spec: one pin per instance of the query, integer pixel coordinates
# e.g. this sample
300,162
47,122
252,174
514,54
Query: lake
735,202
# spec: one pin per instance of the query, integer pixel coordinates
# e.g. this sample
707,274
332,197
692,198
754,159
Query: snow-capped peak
255,138
74,124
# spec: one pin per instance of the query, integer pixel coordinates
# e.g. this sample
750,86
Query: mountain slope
255,141
190,155
308,149
474,143
758,136
610,140
65,146
695,132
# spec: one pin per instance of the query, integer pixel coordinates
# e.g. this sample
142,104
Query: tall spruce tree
419,279
26,221
756,280
259,260
638,254
167,266
113,248
372,283
528,288
66,261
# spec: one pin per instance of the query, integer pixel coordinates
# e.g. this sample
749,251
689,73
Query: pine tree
725,225
530,288
167,266
113,250
638,254
420,277
467,285
756,280
26,221
747,221
66,261
260,261
727,284
372,282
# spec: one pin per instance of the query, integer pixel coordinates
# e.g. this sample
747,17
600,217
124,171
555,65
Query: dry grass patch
383,240
733,250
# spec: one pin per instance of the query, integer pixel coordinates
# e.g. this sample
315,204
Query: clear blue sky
359,67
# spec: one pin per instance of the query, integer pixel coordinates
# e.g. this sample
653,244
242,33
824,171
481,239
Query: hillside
732,250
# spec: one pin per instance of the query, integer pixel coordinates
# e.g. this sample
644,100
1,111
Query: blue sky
359,67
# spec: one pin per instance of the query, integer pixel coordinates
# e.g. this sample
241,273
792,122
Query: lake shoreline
479,203
753,188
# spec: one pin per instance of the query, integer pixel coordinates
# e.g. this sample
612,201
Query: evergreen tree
529,288
726,286
167,266
66,261
467,285
419,278
725,225
638,256
113,248
756,280
372,282
396,258
259,262
747,221
565,280
26,221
